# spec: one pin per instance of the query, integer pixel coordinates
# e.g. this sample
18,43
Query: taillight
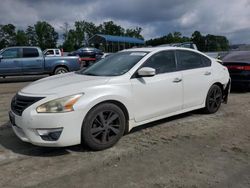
238,67
247,67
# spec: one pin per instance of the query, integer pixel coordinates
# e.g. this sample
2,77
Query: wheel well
122,107
220,85
64,66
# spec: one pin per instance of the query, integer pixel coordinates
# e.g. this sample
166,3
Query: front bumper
28,127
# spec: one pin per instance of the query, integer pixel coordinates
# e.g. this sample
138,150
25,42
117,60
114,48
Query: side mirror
146,72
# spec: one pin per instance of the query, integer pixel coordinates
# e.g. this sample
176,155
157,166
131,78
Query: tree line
83,30
44,35
205,43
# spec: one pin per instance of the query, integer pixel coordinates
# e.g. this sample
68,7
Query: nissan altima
98,105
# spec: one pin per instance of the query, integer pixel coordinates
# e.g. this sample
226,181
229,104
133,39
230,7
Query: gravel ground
189,150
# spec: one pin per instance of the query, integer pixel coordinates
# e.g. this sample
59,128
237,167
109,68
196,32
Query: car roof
160,48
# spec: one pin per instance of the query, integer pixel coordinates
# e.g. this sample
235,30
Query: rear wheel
103,126
213,100
60,70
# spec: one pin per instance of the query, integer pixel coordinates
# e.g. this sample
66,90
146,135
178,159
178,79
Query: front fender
93,98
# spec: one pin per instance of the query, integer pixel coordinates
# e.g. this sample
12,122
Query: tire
60,70
103,126
213,100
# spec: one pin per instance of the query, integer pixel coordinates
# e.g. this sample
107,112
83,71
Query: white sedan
98,105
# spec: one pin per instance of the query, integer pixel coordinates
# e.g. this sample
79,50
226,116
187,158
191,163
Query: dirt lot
190,150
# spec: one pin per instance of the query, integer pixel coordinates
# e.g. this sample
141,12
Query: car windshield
114,65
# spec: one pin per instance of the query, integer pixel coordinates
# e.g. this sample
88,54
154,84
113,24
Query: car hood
64,83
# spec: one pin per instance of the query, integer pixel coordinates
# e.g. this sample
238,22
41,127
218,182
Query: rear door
32,61
10,63
161,94
197,77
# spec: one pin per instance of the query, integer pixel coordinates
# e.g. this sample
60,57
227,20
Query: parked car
238,64
96,106
53,52
30,60
88,55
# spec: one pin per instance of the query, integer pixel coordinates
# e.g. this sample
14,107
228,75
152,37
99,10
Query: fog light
50,134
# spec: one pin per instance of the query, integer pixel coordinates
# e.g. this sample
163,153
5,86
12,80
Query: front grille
19,103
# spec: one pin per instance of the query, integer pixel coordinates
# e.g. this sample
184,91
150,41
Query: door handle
176,80
207,73
15,61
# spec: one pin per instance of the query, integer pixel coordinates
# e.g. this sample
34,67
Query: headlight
64,104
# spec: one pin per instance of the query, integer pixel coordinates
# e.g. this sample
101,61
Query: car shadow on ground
9,141
16,79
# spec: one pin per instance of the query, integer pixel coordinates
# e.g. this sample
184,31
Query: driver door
161,94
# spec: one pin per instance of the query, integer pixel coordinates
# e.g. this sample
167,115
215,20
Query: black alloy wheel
103,126
214,99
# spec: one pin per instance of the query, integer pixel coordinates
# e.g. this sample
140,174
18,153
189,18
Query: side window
11,53
191,60
162,62
49,52
30,52
57,52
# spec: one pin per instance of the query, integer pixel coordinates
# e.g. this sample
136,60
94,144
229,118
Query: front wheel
213,100
103,126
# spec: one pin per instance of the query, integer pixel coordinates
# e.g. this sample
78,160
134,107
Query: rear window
30,52
191,60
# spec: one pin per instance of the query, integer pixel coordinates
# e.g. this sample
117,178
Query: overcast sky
157,17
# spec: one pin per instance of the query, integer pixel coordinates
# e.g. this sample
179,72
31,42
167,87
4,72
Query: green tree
46,35
177,36
31,36
21,38
110,28
7,35
77,37
70,43
134,32
199,40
